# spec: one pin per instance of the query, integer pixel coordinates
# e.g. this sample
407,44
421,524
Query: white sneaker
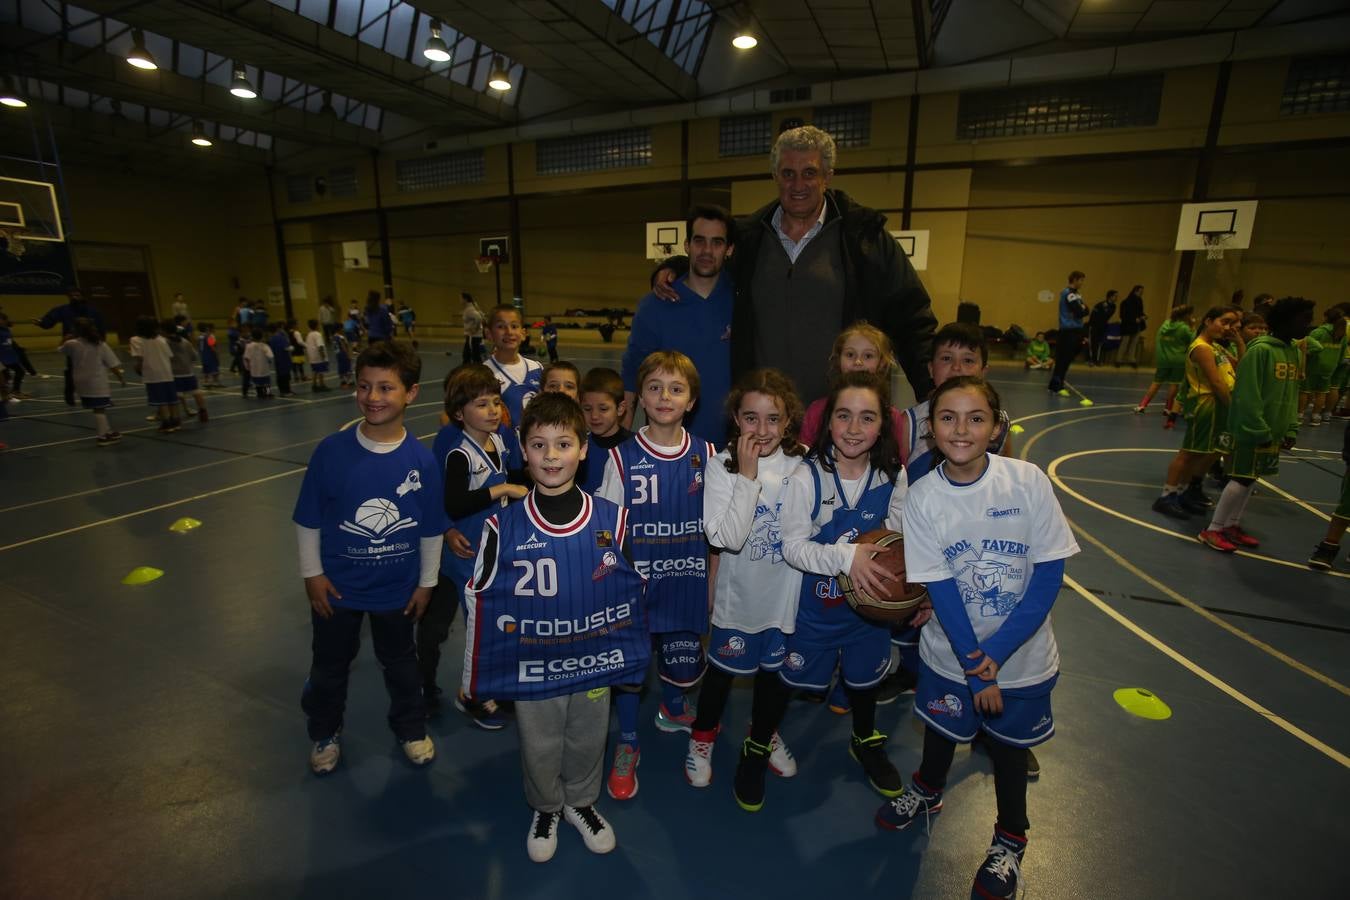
698,761
324,756
421,751
781,760
542,841
596,833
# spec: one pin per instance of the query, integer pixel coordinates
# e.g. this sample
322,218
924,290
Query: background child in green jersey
1262,419
1326,353
1169,351
1325,554
1038,352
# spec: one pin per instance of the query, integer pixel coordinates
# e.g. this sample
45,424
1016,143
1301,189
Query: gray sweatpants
562,748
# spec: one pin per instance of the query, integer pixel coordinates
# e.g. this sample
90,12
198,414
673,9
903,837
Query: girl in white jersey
755,593
986,535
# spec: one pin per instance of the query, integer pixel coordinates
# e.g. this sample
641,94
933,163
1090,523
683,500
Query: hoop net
483,264
1216,243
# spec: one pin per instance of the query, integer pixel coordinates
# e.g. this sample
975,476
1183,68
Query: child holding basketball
519,376
658,476
369,521
1209,386
559,557
851,483
1263,418
603,405
987,537
756,592
1169,351
478,483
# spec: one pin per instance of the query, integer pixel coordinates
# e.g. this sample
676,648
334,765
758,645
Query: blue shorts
680,658
318,368
262,381
96,402
185,384
744,653
862,661
160,393
948,707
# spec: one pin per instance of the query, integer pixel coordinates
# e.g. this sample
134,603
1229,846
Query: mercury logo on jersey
642,465
532,543
574,628
1042,724
532,671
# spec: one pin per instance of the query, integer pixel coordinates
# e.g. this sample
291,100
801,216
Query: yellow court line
149,509
1060,412
1288,496
1204,674
1053,472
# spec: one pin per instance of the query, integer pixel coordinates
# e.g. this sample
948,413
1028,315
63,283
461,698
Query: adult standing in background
180,308
1072,311
327,318
1132,321
472,317
378,320
1098,321
813,262
75,307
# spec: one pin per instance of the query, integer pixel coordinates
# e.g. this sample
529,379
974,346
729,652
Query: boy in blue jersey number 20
370,520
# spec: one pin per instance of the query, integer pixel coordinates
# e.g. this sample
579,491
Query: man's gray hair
804,139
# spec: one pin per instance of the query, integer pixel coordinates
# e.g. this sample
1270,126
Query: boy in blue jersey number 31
370,520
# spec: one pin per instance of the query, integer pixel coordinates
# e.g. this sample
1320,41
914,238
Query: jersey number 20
544,574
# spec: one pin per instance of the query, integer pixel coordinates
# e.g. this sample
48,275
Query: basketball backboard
497,248
29,211
664,239
355,255
1228,221
915,245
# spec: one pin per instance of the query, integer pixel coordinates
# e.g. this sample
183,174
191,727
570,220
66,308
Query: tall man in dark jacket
813,262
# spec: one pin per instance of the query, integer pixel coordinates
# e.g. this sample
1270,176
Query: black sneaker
1196,496
1001,874
870,752
483,713
898,682
1170,505
748,786
1324,556
1187,501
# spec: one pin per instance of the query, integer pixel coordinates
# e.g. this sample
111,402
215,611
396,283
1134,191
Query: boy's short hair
502,309
466,384
561,365
1286,310
669,361
1075,275
391,355
553,409
602,381
713,213
964,335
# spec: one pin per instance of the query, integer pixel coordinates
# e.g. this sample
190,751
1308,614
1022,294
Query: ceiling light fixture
744,40
11,97
138,55
199,135
435,49
498,79
240,85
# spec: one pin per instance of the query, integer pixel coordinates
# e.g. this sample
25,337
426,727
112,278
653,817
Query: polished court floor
151,741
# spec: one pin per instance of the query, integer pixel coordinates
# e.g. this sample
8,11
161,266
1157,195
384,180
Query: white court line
170,504
161,475
1288,496
1204,674
1060,412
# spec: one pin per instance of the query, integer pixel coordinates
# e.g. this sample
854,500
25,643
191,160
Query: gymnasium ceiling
334,76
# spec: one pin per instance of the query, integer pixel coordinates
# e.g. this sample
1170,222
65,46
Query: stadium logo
377,519
532,543
411,483
948,705
532,671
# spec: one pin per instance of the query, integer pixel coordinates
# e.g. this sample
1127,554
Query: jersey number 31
645,489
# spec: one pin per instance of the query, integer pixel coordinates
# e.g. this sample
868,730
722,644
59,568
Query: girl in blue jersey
521,378
987,537
755,595
851,483
478,483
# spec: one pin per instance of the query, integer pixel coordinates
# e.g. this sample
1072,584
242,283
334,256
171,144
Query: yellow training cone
1085,402
1017,429
142,575
1142,703
184,525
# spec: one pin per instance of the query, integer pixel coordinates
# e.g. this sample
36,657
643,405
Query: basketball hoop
1215,243
483,264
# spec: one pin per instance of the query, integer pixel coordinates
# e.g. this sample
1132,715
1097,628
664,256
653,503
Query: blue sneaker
1001,875
483,713
900,813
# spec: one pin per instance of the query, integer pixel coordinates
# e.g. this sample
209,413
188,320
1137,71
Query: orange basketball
897,606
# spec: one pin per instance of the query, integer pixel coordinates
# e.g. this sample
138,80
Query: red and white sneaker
670,723
781,760
698,761
1216,541
1240,538
622,783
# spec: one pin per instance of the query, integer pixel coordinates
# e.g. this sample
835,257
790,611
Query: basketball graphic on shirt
376,519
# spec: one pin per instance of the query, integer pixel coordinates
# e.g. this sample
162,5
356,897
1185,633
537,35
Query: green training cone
1142,703
142,575
184,525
